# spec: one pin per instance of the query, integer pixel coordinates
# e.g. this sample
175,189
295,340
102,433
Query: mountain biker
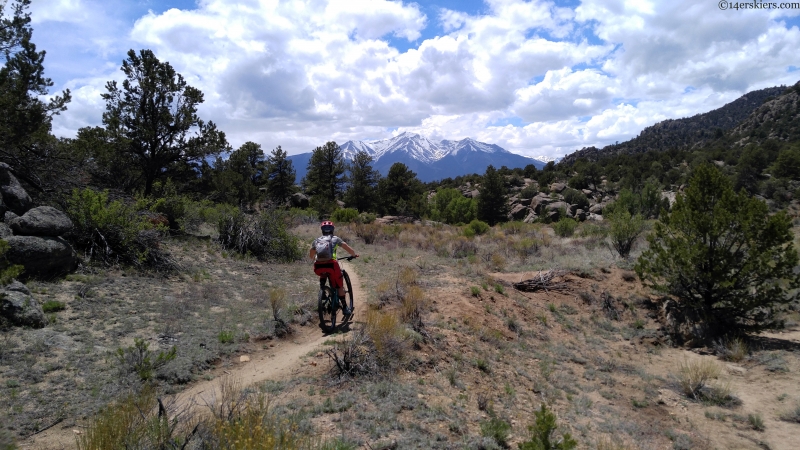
323,251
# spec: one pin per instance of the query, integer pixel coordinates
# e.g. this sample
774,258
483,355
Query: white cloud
302,72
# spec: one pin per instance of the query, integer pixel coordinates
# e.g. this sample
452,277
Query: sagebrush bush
139,359
264,236
565,227
114,233
476,227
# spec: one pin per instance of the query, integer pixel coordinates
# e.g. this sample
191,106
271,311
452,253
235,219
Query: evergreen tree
400,191
280,176
363,179
492,201
325,176
153,120
728,262
24,118
236,180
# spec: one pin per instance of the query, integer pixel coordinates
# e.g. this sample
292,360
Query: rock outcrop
33,232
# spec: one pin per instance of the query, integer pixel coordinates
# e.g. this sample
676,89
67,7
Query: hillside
480,354
690,132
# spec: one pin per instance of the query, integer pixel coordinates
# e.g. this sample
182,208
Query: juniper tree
363,181
152,120
492,201
726,260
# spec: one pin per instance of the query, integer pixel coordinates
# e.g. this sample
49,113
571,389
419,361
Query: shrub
565,227
695,375
528,191
141,360
478,227
792,415
542,433
52,306
112,232
135,421
264,236
368,232
496,429
575,197
731,349
728,262
345,215
624,230
475,291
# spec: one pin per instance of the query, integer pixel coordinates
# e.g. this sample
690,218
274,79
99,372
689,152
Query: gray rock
42,256
558,187
531,217
471,194
539,202
299,200
41,221
19,307
555,206
8,216
518,212
580,215
587,192
5,231
14,195
594,217
596,209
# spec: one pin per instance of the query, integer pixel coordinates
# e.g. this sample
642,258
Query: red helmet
327,227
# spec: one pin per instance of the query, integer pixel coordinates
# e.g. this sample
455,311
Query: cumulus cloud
301,72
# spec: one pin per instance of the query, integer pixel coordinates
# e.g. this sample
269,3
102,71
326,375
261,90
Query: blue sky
539,78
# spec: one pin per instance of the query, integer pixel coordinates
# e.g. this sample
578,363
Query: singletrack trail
279,362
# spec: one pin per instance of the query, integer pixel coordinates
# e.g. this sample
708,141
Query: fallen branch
549,280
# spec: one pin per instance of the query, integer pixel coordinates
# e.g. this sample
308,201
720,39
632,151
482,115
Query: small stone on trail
313,363
244,358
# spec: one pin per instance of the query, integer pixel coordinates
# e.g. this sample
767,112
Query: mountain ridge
430,160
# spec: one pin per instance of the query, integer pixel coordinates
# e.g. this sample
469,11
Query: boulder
42,256
14,195
531,217
539,202
596,209
517,212
594,217
555,206
299,200
580,215
19,307
5,231
8,216
471,194
557,187
587,192
41,221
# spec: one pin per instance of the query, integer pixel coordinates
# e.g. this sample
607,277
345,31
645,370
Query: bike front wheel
326,309
348,296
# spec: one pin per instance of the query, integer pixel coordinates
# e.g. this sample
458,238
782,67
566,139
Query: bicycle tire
349,293
326,310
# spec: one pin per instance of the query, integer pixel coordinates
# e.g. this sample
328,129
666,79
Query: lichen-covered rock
42,256
41,221
19,307
5,231
14,195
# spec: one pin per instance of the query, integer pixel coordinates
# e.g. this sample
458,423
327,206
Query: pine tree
492,201
325,176
24,118
727,261
236,180
280,176
152,119
363,181
400,191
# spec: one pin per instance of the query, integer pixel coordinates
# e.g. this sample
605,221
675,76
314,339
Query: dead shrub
376,347
696,375
733,349
462,247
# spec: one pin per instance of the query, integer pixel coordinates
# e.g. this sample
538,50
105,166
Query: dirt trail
280,362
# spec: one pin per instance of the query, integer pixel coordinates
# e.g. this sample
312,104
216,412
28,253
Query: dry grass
732,349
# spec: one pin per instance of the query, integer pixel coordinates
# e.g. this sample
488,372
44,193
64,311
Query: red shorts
332,270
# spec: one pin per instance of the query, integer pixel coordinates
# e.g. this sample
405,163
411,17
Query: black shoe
348,313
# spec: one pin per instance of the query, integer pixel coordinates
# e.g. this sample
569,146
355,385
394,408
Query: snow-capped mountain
547,159
429,159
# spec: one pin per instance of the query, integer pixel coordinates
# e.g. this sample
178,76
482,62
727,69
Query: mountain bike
329,303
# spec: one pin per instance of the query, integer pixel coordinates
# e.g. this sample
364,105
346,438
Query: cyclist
323,251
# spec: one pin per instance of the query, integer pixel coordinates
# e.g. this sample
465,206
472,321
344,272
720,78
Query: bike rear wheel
326,309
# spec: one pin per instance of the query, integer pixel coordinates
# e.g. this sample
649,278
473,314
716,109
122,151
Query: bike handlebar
349,258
